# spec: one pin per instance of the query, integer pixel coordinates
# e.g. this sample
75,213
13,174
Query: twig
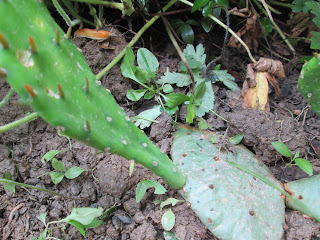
12,212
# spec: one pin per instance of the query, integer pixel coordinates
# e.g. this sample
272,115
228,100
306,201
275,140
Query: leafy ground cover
22,149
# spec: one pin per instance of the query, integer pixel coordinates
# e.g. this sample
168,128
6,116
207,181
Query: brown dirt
21,150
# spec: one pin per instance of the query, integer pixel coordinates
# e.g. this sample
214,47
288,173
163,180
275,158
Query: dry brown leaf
255,87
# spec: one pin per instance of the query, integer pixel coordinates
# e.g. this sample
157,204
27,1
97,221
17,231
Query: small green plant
82,218
60,170
9,187
168,218
302,163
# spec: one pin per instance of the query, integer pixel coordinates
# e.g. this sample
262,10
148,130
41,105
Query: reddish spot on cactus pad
30,90
3,41
33,45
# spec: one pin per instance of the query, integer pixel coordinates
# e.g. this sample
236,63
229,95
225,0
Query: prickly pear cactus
231,203
52,76
307,190
309,82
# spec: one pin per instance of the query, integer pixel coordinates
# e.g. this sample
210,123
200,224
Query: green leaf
175,99
167,88
235,140
202,124
74,172
145,118
168,220
199,90
171,111
191,113
207,102
315,9
187,34
226,79
95,223
135,95
296,155
178,25
206,24
266,25
78,226
143,76
84,215
58,165
198,4
300,5
128,69
49,155
56,177
42,217
147,61
305,165
8,187
180,79
169,236
149,95
282,148
195,57
170,201
315,40
144,185
207,9
193,22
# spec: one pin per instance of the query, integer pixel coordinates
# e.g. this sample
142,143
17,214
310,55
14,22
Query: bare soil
21,150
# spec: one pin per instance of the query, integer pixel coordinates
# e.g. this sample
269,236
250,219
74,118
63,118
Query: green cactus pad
231,203
51,75
307,190
309,82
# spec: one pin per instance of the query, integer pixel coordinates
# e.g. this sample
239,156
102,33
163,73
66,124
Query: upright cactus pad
230,202
51,75
309,82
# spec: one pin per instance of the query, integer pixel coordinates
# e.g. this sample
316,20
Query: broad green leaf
199,90
128,69
9,187
170,201
175,99
74,172
145,118
191,113
169,236
305,165
235,140
202,124
180,79
147,61
282,148
149,95
193,22
143,76
296,155
315,40
195,57
135,95
49,155
168,219
207,9
266,25
198,4
78,226
187,34
226,79
167,88
207,102
56,177
42,218
95,223
58,165
315,9
171,111
300,5
206,24
144,185
178,25
223,3
84,215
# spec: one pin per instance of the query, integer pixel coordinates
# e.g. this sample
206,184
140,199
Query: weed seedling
60,170
302,163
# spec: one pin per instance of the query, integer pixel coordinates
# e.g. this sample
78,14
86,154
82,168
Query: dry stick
133,41
183,58
13,210
225,27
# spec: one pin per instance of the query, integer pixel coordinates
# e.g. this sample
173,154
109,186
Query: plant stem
288,5
183,58
6,98
39,189
225,27
115,5
19,122
133,41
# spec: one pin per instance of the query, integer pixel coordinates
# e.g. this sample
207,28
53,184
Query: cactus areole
51,75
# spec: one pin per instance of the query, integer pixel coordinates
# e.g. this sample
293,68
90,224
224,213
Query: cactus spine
52,76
